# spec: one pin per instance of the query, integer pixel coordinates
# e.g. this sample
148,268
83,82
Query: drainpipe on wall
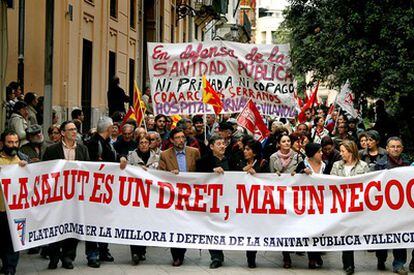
47,107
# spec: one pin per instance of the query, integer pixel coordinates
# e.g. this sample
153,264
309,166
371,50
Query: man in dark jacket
36,146
116,97
215,161
125,142
100,150
66,149
391,160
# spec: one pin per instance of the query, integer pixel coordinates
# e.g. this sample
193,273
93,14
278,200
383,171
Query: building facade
269,16
93,40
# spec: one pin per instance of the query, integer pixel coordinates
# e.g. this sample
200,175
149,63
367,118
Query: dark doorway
131,80
111,67
86,83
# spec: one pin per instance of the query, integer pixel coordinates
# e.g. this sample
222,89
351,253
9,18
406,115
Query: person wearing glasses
390,159
179,158
146,158
54,135
67,149
125,142
155,142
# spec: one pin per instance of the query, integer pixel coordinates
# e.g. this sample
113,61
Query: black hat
311,149
33,129
19,105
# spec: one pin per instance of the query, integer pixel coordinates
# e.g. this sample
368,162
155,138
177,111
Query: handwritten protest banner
55,200
237,71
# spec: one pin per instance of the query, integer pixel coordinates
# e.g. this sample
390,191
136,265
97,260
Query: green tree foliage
369,42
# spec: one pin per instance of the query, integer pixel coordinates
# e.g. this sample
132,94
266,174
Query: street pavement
197,262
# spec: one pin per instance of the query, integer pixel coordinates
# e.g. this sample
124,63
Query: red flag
211,97
251,119
309,104
129,115
299,101
139,107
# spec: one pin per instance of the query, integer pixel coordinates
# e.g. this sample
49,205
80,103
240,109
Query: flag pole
205,126
143,118
336,120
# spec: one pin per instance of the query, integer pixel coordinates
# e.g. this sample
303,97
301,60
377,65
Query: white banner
54,200
345,100
237,71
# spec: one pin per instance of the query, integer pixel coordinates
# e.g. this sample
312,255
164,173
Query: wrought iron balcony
202,10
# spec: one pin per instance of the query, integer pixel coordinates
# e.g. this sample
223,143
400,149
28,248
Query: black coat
208,162
100,149
116,100
122,147
334,157
55,151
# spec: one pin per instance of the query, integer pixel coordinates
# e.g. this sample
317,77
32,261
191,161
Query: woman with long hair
350,165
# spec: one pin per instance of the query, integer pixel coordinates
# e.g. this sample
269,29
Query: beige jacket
338,169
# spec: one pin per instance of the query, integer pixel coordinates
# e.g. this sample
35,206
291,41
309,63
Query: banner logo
21,228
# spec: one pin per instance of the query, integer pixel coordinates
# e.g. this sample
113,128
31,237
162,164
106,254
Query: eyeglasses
55,133
152,139
71,130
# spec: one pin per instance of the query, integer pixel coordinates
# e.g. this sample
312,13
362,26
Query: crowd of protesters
334,144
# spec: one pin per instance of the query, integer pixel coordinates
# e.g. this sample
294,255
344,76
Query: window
113,8
263,37
132,14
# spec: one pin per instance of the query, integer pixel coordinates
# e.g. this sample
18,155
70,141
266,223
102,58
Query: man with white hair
100,150
126,142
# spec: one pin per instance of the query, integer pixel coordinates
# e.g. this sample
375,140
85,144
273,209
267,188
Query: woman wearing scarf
146,158
319,131
285,160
